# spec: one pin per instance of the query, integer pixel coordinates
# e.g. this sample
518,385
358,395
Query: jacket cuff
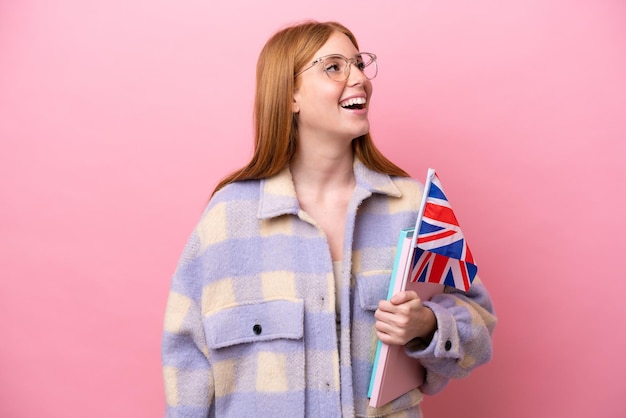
445,342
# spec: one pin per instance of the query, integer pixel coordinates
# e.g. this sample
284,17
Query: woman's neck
324,184
323,169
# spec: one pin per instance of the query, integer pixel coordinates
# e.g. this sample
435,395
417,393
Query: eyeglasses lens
338,67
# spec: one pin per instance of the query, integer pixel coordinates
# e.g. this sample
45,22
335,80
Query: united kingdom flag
441,254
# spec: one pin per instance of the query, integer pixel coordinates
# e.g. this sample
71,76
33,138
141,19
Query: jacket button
447,347
257,329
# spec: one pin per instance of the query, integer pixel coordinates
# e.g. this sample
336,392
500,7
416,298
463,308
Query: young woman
278,300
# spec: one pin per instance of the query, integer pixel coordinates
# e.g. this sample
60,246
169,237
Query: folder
394,373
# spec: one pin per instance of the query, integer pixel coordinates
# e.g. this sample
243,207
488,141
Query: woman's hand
404,318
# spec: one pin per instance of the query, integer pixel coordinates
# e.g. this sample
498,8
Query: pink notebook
395,373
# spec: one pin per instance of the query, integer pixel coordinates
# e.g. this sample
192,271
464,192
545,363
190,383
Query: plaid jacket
250,327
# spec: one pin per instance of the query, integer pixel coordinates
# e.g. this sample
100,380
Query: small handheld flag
441,252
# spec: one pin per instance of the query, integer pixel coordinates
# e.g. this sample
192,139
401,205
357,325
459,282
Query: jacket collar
278,193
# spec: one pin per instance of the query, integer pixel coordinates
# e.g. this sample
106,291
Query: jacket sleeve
462,341
185,357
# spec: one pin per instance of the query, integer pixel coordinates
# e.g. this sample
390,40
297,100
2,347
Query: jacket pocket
255,321
372,287
257,357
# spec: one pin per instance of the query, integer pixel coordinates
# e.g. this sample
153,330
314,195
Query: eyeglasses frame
350,61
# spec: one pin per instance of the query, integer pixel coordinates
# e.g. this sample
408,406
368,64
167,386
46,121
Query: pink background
118,117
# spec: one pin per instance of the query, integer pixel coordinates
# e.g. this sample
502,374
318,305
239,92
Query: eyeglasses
337,67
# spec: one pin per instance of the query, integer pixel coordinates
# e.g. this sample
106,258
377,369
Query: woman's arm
186,369
450,335
463,339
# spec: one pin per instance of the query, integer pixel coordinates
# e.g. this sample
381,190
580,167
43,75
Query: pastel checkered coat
250,327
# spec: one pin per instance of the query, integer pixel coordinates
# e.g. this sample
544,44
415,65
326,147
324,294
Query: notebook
394,372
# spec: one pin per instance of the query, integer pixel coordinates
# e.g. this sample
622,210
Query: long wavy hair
275,125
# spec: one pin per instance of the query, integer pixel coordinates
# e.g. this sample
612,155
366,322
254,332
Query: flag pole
420,214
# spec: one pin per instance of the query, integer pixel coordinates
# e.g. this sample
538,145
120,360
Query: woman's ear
294,105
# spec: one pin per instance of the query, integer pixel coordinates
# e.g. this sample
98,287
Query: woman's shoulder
236,191
410,188
233,196
229,210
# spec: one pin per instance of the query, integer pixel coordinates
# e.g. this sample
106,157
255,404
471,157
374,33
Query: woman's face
318,100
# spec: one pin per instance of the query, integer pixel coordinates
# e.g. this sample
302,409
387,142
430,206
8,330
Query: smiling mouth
354,103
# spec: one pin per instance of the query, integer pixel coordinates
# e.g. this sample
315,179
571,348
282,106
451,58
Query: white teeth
353,101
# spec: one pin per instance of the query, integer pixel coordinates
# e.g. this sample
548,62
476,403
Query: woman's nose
356,76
